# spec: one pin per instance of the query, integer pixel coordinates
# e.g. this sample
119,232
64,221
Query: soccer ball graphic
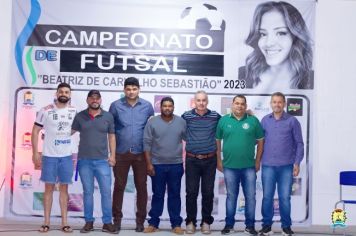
202,16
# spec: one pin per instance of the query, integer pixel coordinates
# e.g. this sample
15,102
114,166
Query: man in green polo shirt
240,132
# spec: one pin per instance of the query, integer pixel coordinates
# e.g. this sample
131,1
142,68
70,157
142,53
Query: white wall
333,115
335,108
5,29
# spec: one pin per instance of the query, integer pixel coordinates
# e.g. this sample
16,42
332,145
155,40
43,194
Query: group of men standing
129,135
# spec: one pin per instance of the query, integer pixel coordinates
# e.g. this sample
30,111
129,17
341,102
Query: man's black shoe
227,230
287,231
109,228
250,231
89,226
266,231
139,228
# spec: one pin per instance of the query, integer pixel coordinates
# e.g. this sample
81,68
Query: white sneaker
205,228
190,228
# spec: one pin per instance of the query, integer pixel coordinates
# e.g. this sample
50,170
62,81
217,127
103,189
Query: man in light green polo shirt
240,132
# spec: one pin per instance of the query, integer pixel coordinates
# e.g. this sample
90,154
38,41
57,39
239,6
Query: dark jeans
196,170
167,176
121,170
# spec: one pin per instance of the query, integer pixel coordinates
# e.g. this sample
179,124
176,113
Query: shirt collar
283,117
87,112
206,113
124,101
244,117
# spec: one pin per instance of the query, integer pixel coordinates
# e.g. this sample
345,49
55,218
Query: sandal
44,229
67,229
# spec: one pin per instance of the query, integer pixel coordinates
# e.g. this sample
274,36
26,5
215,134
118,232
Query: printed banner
174,48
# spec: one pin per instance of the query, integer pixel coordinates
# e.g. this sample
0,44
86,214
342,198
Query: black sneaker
250,230
89,226
227,230
109,228
287,231
265,231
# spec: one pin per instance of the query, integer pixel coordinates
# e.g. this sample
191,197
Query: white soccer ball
202,16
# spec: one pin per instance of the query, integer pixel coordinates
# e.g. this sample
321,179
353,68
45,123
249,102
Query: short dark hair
167,99
279,94
63,85
131,81
239,96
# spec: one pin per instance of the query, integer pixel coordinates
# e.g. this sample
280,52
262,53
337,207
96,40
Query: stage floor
17,228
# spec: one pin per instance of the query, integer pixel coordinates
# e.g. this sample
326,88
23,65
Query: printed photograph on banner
28,98
157,102
278,45
226,103
25,180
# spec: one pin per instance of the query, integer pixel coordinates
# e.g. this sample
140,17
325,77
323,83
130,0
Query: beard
63,99
94,107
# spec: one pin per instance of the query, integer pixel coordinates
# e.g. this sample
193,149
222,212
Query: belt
201,156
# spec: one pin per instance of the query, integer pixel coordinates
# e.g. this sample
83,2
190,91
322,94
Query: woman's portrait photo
282,55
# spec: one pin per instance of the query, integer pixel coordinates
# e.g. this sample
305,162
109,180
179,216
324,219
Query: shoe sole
247,233
231,232
190,232
266,234
107,231
86,231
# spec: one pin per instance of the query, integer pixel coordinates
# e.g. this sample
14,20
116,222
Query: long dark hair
300,56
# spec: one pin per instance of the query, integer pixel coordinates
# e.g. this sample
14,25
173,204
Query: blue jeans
282,176
199,171
170,176
247,178
100,169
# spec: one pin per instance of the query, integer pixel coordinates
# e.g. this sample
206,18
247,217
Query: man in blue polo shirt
282,155
130,114
96,128
200,162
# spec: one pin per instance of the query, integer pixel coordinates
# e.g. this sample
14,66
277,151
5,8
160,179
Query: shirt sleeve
259,130
112,109
111,124
298,140
151,112
40,118
219,130
184,134
75,124
147,136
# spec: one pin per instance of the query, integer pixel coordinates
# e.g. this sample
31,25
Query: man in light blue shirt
282,153
130,115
